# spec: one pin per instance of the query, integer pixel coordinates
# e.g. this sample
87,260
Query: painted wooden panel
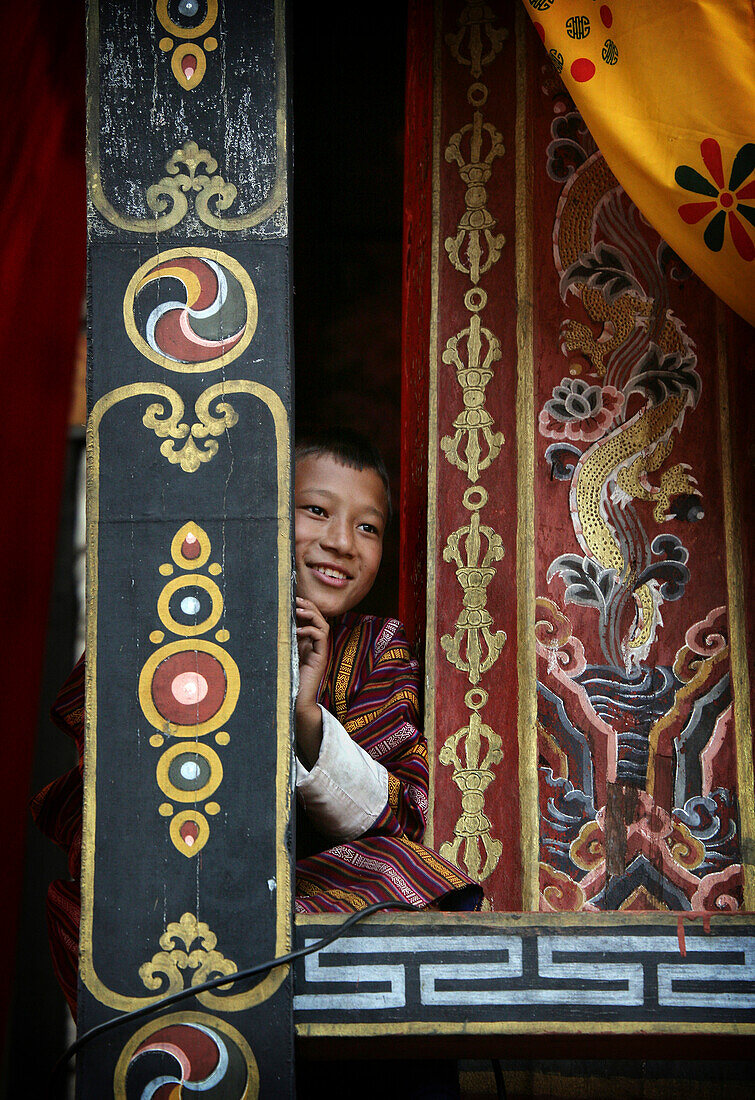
186,872
587,690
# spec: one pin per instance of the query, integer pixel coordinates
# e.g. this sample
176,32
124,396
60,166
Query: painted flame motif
204,327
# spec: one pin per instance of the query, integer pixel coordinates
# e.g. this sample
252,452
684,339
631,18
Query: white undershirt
346,791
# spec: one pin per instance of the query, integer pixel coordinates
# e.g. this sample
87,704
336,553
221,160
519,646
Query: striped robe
371,685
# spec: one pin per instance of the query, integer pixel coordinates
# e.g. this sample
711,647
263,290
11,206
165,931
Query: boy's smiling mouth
330,574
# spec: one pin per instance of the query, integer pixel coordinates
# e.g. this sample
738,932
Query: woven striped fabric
372,686
57,812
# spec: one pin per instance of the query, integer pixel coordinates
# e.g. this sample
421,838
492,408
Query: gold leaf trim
276,195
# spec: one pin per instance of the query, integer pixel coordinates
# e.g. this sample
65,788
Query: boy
361,760
362,771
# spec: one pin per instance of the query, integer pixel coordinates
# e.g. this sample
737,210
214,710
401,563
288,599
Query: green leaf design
714,234
691,180
743,166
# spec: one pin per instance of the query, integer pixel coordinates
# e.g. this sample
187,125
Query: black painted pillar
186,853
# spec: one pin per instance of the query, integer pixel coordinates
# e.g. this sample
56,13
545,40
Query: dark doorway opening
348,126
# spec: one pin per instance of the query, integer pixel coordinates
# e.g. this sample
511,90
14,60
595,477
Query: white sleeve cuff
346,790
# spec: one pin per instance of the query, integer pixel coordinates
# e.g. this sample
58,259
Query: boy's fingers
313,615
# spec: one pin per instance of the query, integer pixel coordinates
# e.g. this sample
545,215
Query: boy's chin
329,604
330,608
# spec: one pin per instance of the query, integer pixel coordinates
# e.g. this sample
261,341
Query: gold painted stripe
523,1027
738,633
635,923
525,530
432,434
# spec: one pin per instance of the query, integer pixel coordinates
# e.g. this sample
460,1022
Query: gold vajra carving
170,965
169,425
474,421
477,223
474,646
473,775
483,40
481,646
167,198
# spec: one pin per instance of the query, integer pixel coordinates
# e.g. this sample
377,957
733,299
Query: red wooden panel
585,616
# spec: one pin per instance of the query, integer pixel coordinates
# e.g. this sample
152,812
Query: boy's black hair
351,449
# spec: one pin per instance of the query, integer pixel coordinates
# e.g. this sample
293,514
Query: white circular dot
190,605
189,688
190,770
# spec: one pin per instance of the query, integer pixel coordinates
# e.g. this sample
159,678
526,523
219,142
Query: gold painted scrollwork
183,556
170,427
167,198
172,964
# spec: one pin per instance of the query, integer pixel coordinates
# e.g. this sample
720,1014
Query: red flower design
727,201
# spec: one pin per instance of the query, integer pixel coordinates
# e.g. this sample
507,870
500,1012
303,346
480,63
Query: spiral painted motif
208,324
180,1059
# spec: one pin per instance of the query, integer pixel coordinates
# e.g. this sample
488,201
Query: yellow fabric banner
667,89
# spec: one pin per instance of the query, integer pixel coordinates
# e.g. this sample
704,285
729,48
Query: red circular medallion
189,687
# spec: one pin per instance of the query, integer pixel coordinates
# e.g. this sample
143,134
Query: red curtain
42,274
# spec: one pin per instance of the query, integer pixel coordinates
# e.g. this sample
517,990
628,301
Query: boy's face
340,517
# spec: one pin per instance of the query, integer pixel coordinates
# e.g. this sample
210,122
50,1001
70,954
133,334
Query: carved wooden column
186,851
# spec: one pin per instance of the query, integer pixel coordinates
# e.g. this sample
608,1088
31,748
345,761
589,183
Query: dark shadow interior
348,120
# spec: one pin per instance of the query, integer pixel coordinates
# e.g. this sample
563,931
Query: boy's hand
312,632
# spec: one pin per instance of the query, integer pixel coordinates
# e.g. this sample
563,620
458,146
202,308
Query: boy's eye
372,530
315,509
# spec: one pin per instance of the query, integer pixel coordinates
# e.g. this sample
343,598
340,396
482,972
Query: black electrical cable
225,979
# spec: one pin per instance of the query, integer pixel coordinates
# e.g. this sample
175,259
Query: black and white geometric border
621,975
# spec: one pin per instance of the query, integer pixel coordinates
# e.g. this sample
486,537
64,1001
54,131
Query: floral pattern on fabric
723,202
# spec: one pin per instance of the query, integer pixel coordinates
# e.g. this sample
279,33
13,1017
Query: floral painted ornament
579,411
725,203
